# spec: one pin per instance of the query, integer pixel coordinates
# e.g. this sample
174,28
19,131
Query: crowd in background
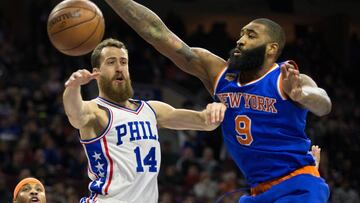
37,140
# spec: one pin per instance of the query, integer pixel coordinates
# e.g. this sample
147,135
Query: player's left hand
315,152
214,113
291,81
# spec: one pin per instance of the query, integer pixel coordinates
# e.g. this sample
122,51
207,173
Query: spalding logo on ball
75,27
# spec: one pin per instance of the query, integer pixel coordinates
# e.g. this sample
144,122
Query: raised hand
214,113
291,81
315,151
80,77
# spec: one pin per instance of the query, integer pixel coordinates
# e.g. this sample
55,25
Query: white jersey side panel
124,162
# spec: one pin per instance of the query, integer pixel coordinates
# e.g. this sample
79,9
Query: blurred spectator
166,197
206,188
37,140
170,177
207,161
5,194
192,176
345,194
186,160
228,182
168,156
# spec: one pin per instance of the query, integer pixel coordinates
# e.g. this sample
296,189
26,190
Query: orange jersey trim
217,78
262,187
281,90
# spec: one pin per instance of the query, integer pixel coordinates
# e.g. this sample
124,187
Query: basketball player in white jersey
119,134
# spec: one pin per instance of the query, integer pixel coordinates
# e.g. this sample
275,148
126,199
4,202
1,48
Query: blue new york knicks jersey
262,129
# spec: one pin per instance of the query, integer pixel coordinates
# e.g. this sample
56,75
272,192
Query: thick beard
118,94
249,60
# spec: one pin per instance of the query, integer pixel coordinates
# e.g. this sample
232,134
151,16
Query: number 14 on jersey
149,160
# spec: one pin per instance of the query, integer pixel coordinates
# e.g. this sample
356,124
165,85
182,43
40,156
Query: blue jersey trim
113,104
151,109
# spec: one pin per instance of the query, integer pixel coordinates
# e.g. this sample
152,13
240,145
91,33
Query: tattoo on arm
186,52
141,19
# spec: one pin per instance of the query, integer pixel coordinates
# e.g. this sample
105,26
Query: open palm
291,81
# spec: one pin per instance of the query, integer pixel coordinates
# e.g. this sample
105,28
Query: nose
118,67
33,192
240,42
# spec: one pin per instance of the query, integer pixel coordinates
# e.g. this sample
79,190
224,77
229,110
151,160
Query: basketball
75,27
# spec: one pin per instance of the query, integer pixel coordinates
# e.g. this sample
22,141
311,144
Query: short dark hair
275,31
110,42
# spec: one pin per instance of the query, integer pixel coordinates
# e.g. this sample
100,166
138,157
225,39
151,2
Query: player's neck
251,75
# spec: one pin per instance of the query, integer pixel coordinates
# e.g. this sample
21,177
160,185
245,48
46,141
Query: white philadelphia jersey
124,161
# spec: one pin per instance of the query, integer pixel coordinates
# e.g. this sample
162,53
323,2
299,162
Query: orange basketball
75,27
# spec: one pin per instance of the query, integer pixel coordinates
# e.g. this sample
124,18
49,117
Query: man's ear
272,48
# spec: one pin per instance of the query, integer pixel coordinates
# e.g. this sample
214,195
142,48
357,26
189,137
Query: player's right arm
186,119
79,112
195,61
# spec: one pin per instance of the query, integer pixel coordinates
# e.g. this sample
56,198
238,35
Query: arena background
36,138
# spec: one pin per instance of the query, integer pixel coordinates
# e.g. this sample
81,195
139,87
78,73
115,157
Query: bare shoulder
91,104
208,59
98,120
96,109
91,107
159,106
211,64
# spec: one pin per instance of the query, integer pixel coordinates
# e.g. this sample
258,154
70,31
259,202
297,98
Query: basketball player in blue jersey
267,103
119,134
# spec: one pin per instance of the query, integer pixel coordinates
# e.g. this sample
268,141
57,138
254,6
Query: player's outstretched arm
184,119
303,90
78,111
196,61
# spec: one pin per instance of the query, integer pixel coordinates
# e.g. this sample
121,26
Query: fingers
291,75
291,81
294,77
284,71
222,112
67,83
289,65
81,77
288,70
95,75
215,113
88,74
293,72
315,148
293,63
209,114
315,151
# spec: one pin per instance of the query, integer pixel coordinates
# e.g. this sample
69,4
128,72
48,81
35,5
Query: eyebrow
28,185
248,30
113,57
